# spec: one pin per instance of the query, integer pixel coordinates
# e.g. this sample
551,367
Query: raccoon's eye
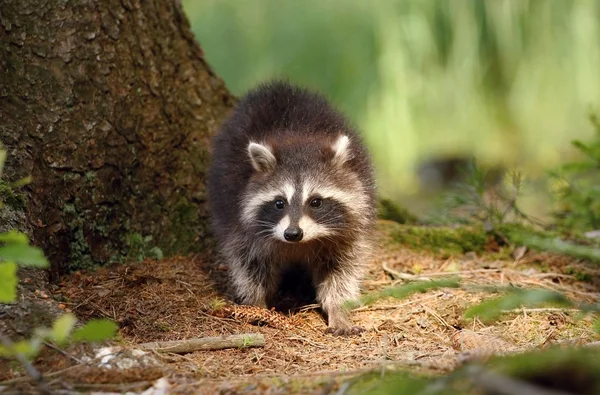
279,204
316,203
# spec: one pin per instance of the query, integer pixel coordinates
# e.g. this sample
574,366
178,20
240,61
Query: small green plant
499,370
217,304
577,186
15,251
247,342
62,333
140,247
490,309
484,195
553,370
403,291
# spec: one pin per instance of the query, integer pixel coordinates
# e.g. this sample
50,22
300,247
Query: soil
185,297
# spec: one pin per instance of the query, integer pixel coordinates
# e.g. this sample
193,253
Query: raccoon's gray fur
291,183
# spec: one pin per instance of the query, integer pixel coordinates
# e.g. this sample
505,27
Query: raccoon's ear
341,150
261,157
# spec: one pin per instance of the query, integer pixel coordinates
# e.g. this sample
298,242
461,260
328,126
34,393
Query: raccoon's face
302,193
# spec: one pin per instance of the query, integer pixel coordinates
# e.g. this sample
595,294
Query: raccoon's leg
253,282
334,287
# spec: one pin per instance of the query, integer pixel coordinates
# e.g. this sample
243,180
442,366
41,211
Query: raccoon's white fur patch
289,192
311,229
341,150
245,286
355,199
281,227
344,285
256,200
261,157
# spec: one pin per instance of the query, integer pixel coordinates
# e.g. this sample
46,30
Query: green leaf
556,245
8,282
28,348
96,330
404,291
24,254
62,327
156,253
14,237
490,309
22,182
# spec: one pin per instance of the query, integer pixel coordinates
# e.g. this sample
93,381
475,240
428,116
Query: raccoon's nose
293,234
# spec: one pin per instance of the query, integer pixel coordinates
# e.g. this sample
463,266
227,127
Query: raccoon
291,183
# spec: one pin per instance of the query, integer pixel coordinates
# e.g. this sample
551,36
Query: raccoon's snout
293,234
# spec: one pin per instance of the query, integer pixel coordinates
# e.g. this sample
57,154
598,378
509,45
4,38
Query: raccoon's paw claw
345,331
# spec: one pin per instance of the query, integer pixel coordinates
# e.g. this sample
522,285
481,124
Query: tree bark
109,105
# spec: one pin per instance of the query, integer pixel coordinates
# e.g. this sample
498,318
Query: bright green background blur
507,81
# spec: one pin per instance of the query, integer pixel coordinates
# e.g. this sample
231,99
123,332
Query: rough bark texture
109,105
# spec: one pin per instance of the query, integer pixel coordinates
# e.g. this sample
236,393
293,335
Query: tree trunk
109,105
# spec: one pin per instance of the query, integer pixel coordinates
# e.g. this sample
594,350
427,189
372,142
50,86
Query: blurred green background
508,81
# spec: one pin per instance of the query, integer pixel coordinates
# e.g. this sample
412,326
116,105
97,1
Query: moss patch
441,240
389,210
11,198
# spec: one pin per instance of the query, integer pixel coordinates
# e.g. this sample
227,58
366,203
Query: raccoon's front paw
345,330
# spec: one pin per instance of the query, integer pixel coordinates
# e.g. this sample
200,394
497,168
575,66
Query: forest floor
177,298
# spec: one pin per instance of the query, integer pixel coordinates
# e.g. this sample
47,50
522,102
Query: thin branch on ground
63,352
206,343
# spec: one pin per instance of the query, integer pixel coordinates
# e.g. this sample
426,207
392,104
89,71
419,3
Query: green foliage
491,309
96,330
10,197
217,304
404,291
247,342
15,250
387,383
61,333
557,245
62,327
575,371
577,186
8,279
555,370
421,76
578,274
14,237
23,254
140,247
482,196
577,192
